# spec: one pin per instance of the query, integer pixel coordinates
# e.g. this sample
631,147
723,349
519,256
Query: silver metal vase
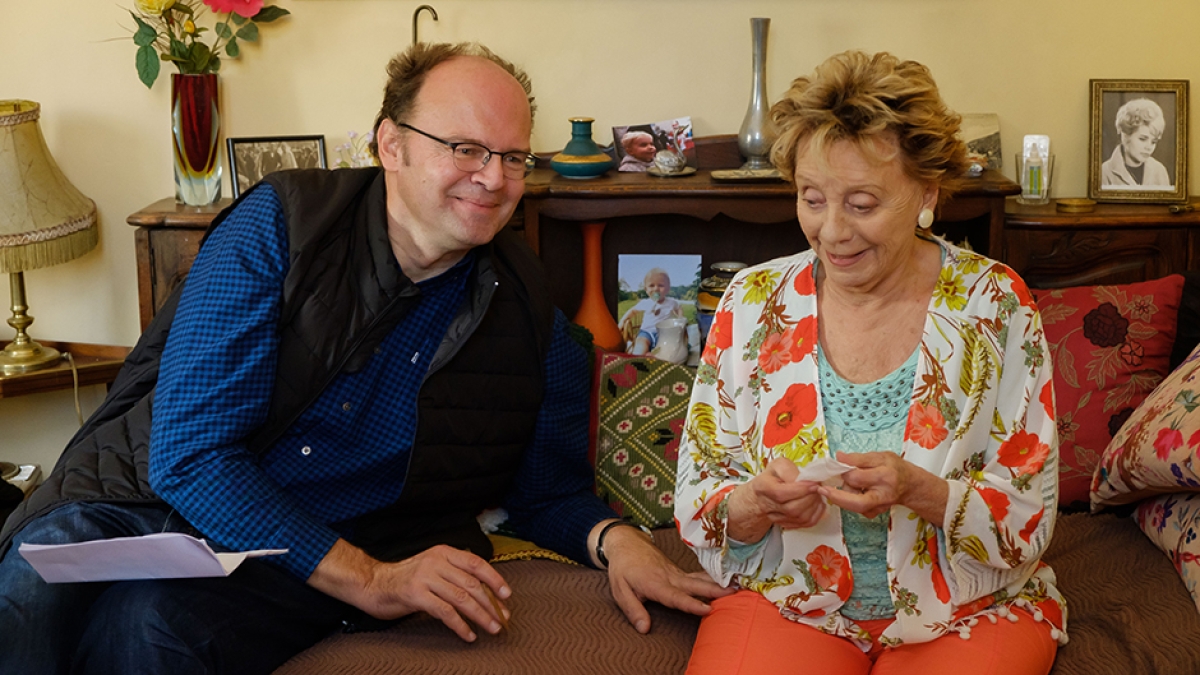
758,132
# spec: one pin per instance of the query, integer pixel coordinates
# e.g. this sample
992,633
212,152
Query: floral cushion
641,405
1172,522
1156,450
1111,345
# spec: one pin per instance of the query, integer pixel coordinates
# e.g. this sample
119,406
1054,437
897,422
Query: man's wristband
604,532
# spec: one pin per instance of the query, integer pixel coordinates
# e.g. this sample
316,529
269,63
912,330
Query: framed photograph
1139,141
251,158
656,305
637,144
981,132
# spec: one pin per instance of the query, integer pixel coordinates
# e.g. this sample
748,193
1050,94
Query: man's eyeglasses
472,157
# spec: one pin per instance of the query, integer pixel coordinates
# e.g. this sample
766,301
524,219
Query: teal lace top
867,418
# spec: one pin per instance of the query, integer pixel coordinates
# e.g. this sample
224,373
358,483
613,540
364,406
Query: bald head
409,70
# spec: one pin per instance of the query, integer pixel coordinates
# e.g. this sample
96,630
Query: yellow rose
154,6
189,27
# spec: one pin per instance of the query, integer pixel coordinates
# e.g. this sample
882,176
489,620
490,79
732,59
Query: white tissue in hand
822,469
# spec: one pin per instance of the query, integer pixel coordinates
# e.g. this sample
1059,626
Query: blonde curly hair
862,98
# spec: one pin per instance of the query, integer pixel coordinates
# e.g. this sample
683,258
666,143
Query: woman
921,367
1140,125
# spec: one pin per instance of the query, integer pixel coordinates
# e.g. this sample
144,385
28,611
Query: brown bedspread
1129,613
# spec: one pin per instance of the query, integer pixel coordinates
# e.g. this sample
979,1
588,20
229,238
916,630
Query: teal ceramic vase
582,158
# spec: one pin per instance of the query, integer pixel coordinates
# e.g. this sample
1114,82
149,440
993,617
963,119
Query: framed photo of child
1139,149
636,145
656,305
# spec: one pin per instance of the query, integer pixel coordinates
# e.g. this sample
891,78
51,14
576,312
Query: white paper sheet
169,555
821,469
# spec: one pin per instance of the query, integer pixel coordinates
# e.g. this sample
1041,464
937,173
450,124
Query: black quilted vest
342,295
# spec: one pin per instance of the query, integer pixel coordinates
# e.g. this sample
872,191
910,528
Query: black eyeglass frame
530,158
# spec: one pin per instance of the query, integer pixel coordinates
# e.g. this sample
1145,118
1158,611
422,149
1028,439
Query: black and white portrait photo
250,159
1139,140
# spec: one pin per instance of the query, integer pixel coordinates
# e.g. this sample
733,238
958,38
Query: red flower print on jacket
940,587
773,354
1168,440
828,567
805,284
791,413
997,502
1027,531
926,426
1022,292
1024,452
1047,399
801,339
720,336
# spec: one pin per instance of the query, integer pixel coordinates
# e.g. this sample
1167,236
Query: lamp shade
44,220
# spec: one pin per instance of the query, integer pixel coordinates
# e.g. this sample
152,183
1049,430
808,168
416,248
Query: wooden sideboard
1114,244
748,222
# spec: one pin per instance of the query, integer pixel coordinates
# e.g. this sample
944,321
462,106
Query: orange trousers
745,633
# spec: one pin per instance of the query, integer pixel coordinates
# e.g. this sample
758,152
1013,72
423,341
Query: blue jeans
249,622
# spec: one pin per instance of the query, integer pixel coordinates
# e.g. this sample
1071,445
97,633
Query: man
359,362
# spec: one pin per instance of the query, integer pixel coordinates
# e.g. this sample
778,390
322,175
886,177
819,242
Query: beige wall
620,61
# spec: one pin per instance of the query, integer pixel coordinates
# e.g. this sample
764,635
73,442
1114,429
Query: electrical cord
75,378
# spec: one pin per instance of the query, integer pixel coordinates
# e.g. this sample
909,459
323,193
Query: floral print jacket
981,417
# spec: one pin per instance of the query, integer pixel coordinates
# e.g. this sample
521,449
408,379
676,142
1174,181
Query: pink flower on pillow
246,8
1194,439
1167,441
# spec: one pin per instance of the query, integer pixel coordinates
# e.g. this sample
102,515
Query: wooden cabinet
1114,244
167,240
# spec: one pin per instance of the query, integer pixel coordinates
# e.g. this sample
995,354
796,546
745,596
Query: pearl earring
925,219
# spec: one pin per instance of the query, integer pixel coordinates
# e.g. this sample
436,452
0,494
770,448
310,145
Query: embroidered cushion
1155,451
1111,345
641,406
1172,522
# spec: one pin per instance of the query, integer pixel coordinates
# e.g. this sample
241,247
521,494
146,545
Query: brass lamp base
17,359
23,355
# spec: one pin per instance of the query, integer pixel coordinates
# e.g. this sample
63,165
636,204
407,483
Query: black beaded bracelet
604,532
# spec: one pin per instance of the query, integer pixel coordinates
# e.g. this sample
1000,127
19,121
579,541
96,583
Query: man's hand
446,583
638,571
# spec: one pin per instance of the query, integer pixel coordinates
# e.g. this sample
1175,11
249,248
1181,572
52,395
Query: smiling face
1138,145
859,214
436,212
642,148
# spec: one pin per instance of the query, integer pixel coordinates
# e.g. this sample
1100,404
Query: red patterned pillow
1111,346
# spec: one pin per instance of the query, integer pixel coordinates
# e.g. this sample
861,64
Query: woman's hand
773,497
882,480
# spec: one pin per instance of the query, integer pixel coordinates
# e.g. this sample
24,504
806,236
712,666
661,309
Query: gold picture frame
1143,106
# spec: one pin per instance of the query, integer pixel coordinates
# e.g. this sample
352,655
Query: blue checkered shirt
348,452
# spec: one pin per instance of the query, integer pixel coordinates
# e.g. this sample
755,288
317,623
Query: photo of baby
656,305
637,145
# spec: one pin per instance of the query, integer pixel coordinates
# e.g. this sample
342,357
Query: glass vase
195,131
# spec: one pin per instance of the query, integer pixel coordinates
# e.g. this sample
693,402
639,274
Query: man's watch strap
604,533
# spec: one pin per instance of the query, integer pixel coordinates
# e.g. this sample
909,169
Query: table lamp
44,221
